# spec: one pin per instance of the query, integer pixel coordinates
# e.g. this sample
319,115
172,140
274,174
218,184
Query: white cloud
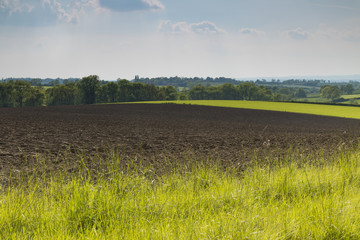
13,6
298,34
204,27
47,12
348,31
154,4
44,12
64,14
252,32
131,5
190,47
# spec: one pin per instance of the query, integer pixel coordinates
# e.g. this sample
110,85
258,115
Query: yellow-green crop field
317,109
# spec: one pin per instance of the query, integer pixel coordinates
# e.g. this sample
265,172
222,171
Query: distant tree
35,97
263,93
213,93
137,93
112,91
35,82
247,91
330,92
108,92
170,93
277,97
347,89
21,91
300,93
182,96
124,90
54,82
61,94
229,91
88,87
6,94
198,93
150,93
285,91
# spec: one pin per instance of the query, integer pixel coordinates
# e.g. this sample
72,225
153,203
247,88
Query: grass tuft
302,199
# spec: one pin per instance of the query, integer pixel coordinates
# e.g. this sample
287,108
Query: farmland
158,130
178,171
306,108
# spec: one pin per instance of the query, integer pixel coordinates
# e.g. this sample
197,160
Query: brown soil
162,130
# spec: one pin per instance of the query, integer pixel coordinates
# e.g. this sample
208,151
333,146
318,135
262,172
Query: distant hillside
42,82
332,78
185,82
188,83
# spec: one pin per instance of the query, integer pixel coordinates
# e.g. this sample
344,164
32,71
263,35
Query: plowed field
154,131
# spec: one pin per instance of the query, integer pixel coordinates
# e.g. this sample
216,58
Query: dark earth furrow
163,129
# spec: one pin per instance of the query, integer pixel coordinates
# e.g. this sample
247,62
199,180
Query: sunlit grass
350,96
275,200
317,109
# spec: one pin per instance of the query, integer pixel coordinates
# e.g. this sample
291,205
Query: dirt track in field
160,130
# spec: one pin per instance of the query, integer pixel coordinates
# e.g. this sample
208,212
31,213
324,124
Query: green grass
350,96
313,100
314,95
292,200
317,109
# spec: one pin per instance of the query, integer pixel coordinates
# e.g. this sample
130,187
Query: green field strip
350,96
316,109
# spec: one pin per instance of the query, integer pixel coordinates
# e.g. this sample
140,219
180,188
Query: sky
188,38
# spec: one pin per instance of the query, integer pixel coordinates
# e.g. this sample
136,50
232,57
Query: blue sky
230,38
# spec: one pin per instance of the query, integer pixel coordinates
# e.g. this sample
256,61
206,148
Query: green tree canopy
330,92
300,93
198,93
61,94
347,89
88,86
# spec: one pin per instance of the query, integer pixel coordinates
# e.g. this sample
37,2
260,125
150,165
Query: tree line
334,92
19,94
228,91
183,82
90,90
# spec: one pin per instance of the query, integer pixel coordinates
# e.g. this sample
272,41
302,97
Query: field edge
304,108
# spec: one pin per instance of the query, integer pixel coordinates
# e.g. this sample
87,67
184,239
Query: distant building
137,77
